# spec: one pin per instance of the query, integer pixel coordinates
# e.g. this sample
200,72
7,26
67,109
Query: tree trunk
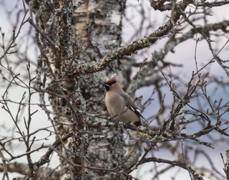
82,32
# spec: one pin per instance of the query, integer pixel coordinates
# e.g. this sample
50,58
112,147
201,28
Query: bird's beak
106,85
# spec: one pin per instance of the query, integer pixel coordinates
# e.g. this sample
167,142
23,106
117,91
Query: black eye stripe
111,83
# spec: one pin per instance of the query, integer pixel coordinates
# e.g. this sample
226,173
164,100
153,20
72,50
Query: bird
120,105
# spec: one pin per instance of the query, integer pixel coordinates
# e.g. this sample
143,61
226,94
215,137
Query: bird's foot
128,124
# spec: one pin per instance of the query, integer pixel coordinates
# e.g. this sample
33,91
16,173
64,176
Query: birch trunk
83,32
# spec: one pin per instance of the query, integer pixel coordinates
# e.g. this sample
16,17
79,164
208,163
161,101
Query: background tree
58,55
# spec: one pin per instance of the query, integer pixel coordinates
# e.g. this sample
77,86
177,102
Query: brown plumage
119,104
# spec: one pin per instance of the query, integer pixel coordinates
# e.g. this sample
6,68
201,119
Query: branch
173,163
118,53
23,169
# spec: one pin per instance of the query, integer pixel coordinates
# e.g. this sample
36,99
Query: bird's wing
129,102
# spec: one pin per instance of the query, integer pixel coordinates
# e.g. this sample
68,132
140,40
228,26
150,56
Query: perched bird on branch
120,105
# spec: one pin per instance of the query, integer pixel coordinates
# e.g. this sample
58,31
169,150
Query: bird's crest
115,78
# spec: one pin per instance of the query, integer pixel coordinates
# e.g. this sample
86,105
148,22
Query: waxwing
120,105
